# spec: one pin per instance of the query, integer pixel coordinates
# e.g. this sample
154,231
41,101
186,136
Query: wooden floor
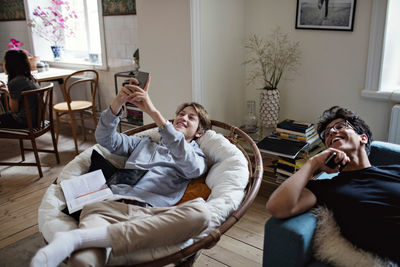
21,191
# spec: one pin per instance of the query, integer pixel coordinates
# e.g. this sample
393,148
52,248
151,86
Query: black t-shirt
366,206
16,86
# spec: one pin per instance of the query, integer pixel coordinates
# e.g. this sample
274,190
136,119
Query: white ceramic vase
269,108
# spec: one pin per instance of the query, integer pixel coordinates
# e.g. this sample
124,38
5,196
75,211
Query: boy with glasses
364,199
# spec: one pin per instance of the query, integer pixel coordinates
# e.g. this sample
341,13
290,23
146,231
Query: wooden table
50,75
53,74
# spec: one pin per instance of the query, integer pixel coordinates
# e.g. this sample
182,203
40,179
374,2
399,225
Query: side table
269,163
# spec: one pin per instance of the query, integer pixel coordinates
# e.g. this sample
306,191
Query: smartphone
142,77
330,161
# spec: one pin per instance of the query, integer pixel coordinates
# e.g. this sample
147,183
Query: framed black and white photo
335,15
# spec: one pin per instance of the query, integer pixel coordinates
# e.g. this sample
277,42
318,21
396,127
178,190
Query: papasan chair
234,181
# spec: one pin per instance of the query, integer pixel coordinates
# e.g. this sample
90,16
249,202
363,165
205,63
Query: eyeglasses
341,125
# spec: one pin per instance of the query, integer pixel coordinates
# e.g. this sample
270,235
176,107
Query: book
281,147
284,172
288,168
280,178
296,126
133,114
85,189
310,139
306,153
306,135
297,162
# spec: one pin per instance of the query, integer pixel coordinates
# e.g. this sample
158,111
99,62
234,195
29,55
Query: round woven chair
187,255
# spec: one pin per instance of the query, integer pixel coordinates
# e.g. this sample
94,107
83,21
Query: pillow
331,247
97,162
196,188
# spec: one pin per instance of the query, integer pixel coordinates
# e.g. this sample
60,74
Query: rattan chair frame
187,256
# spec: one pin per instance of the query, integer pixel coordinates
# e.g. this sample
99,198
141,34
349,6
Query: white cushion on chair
227,179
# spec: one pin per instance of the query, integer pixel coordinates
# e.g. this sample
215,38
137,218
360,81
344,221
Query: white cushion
227,178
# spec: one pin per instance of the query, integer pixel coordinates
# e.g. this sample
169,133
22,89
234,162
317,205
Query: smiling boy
151,221
364,199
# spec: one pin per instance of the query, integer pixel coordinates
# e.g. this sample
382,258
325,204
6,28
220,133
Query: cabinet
132,115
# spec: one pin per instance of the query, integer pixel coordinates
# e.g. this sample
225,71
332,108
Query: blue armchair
289,242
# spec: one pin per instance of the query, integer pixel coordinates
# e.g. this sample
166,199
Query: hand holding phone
142,78
330,161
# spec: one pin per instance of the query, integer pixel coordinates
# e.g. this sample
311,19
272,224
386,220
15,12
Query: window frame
375,55
63,64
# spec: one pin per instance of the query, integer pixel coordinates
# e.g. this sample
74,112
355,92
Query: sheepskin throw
331,247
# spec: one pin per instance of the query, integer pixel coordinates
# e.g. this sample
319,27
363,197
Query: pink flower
15,45
51,23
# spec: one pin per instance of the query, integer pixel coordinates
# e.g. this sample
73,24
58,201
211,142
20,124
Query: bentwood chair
43,124
68,110
5,98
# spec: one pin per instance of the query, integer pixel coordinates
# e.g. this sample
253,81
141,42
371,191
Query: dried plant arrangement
272,57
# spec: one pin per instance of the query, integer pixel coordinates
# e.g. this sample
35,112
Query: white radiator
394,128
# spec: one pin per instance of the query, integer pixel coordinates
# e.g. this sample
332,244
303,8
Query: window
390,78
86,45
382,79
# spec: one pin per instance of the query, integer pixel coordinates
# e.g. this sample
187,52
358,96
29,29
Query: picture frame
12,10
337,15
119,7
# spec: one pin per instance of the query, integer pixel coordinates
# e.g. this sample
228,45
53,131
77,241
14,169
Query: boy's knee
198,212
88,258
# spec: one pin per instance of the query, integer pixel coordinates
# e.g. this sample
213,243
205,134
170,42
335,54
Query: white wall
222,30
13,29
165,51
333,65
121,42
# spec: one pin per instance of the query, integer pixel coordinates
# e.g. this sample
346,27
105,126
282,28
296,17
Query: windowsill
381,95
75,64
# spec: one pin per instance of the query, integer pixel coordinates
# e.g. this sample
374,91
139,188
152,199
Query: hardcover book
295,126
281,147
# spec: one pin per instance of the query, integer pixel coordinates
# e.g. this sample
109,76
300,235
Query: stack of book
293,143
133,114
296,130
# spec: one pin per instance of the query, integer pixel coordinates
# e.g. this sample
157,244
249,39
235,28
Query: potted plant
272,58
52,23
17,45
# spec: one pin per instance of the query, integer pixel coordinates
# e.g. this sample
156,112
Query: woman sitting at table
16,65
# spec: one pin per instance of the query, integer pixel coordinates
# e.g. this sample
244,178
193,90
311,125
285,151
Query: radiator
394,128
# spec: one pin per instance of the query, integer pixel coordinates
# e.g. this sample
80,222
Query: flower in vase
53,22
17,45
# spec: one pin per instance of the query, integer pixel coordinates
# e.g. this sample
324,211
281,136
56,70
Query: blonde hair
204,119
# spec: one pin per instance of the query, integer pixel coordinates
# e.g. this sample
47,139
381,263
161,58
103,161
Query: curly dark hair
336,112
